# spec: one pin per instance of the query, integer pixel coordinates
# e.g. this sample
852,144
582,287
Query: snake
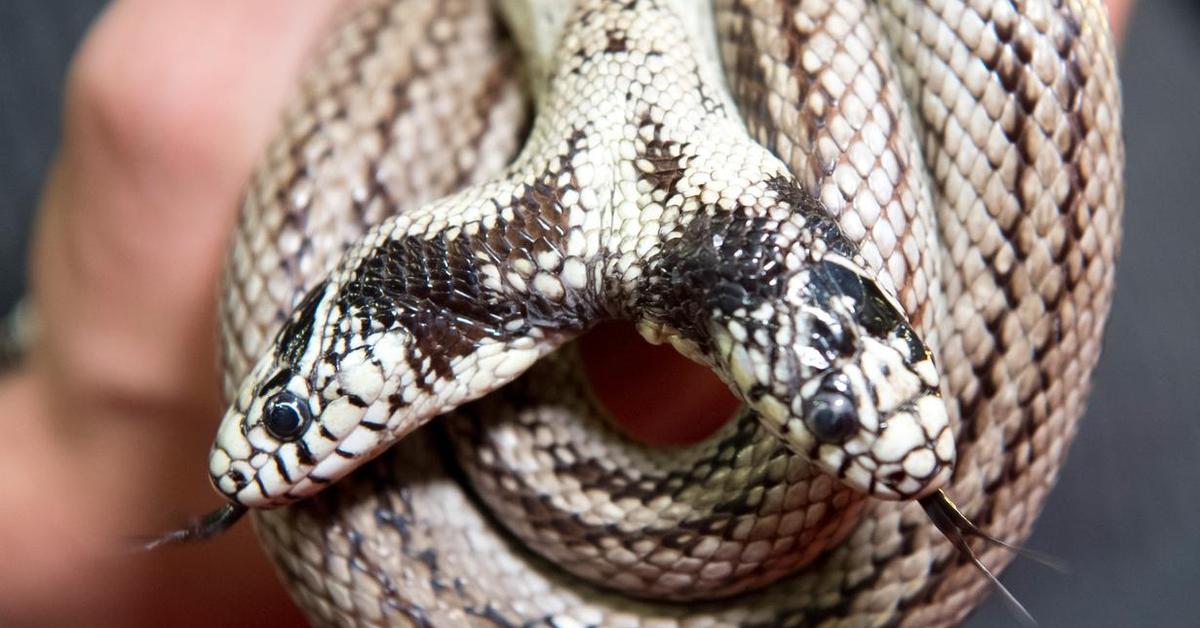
889,227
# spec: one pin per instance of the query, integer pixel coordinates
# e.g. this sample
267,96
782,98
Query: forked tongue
957,527
201,528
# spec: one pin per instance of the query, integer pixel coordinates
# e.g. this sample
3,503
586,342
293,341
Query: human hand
169,104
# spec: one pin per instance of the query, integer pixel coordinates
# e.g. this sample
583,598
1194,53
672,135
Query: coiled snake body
938,179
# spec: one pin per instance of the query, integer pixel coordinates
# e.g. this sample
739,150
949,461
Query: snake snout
907,460
877,422
259,457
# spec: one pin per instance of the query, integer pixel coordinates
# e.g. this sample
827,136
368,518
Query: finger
169,103
1118,17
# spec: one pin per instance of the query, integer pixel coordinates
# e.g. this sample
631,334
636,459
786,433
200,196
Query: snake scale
890,227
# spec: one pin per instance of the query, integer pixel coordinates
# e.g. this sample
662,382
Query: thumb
169,102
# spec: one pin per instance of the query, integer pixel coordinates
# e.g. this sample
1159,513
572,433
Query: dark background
1126,513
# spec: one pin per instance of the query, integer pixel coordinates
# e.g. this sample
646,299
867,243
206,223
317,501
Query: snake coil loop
928,180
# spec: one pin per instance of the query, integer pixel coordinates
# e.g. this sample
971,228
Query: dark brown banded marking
401,101
294,215
1012,78
1014,75
433,287
616,42
818,221
470,426
361,562
485,100
749,75
766,44
1033,413
666,159
723,261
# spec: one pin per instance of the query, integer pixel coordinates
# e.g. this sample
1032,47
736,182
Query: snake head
280,439
809,340
840,374
260,449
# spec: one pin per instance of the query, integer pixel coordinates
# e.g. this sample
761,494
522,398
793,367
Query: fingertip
169,104
185,86
1119,12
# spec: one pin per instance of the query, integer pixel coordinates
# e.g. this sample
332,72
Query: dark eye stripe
278,380
294,337
872,309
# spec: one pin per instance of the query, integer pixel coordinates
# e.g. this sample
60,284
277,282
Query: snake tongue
957,527
200,528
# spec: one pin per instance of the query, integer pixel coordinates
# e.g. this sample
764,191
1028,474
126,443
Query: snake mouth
202,528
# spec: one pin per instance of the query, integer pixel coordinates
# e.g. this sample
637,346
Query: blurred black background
1126,513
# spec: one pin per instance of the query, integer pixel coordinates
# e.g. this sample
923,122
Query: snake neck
639,194
549,31
706,241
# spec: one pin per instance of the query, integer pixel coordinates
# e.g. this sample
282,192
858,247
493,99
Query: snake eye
831,418
285,416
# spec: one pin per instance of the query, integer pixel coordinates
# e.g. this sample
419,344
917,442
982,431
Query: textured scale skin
1028,231
638,195
710,520
456,106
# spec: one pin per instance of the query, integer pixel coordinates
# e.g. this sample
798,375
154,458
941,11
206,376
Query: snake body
937,179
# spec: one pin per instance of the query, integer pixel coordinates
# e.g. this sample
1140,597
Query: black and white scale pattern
638,195
970,152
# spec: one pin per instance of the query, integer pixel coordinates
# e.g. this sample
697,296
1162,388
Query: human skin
107,424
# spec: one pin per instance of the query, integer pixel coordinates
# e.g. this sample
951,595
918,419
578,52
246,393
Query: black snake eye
285,416
831,418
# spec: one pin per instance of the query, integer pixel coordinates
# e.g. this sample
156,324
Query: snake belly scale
890,227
